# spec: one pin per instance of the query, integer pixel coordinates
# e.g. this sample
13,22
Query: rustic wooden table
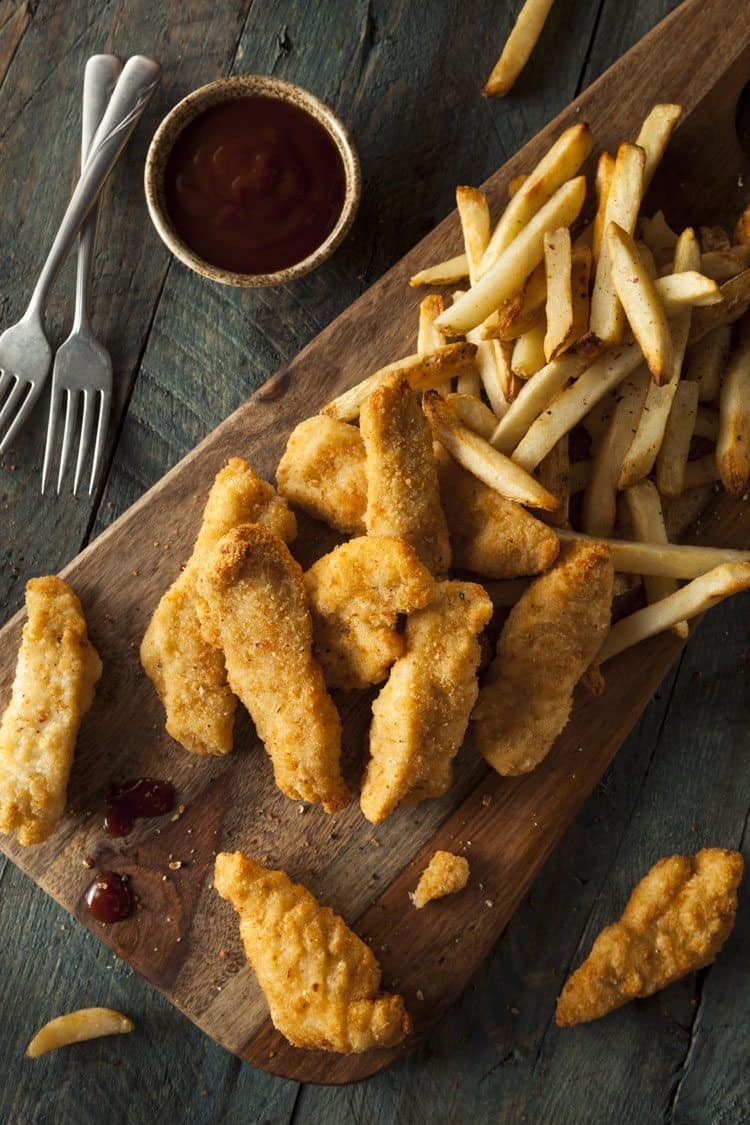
405,77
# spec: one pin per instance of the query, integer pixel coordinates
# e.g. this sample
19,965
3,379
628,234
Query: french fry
420,372
607,320
572,404
517,261
690,601
735,300
521,312
473,414
534,397
671,460
706,424
559,164
468,382
688,288
579,284
558,268
600,497
673,560
742,228
605,169
640,300
721,265
599,416
478,457
733,444
647,258
448,272
703,471
681,513
493,364
474,213
75,1027
554,475
515,185
430,338
706,361
654,137
528,353
518,47
643,506
579,476
659,237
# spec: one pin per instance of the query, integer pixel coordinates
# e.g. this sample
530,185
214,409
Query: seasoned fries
558,268
605,170
76,1027
534,397
528,354
673,560
654,137
733,444
623,203
707,359
443,273
672,457
474,414
647,519
639,298
519,45
600,498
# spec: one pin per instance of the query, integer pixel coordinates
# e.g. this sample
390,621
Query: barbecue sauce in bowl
254,185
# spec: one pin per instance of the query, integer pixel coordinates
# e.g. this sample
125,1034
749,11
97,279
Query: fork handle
134,89
99,79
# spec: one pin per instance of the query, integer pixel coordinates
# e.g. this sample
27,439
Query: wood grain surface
170,404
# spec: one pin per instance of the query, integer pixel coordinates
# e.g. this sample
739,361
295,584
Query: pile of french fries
619,332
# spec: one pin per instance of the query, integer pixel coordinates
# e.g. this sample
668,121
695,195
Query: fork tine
14,399
101,433
70,421
49,449
6,379
87,424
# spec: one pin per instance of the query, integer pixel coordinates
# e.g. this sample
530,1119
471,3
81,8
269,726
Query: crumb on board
444,875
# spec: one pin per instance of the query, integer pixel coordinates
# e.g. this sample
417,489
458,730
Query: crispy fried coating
676,921
403,498
256,593
179,651
445,874
323,473
489,534
356,595
322,983
551,636
53,689
420,717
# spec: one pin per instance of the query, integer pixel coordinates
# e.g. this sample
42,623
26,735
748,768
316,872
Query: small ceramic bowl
226,89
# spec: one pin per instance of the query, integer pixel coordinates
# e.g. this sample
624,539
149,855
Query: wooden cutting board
183,938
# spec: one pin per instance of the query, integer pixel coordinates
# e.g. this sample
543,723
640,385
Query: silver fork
25,354
82,363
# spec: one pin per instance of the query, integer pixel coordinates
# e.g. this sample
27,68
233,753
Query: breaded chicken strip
53,689
179,651
676,921
551,636
256,593
491,535
420,717
322,983
356,595
323,473
445,874
403,498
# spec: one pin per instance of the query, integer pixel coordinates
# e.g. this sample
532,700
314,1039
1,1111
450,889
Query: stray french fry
600,498
518,47
695,598
605,169
742,228
420,372
473,414
514,265
478,457
567,410
558,266
659,237
554,474
640,300
520,312
643,506
733,444
689,287
448,272
654,136
707,359
674,560
559,164
607,320
671,460
703,471
528,353
534,397
75,1027
735,300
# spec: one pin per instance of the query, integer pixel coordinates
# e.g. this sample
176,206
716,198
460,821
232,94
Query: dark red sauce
254,185
141,797
109,898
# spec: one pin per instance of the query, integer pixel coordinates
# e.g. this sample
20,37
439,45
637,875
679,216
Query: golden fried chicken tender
445,874
323,473
256,593
403,498
676,921
322,983
489,534
53,689
356,595
179,651
551,636
420,717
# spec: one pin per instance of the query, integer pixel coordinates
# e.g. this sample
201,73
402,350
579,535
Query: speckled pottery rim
226,89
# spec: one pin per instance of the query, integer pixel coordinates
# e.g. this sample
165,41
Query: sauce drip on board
254,185
141,797
109,898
